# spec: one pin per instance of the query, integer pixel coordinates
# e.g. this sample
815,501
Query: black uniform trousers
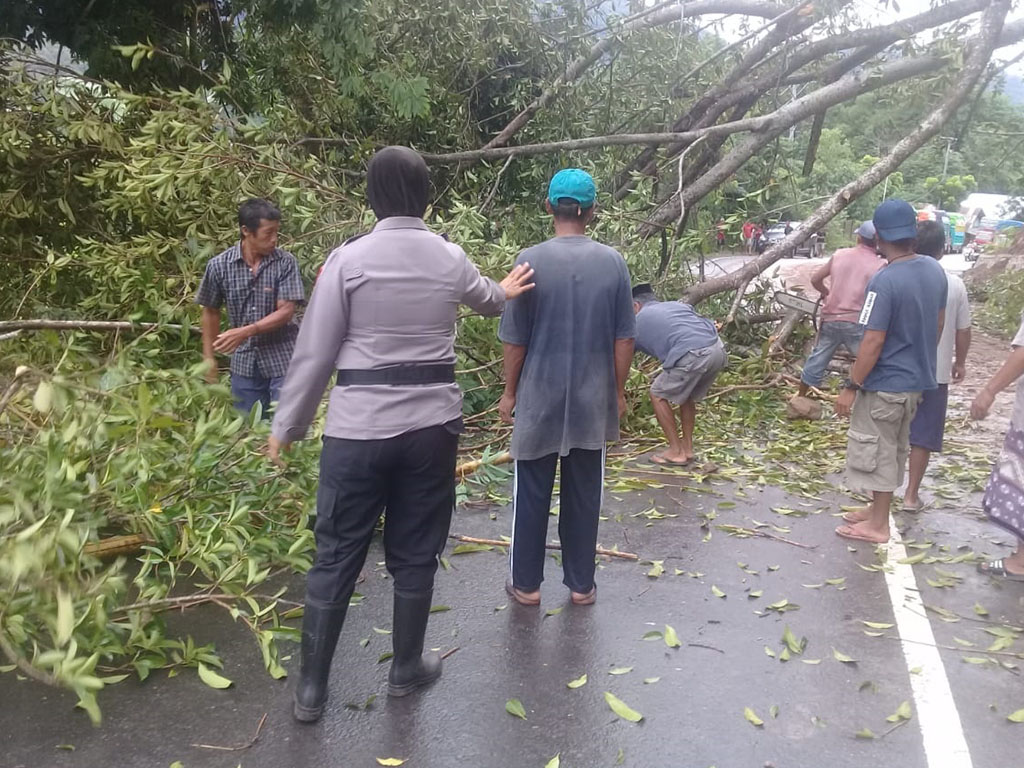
412,476
582,486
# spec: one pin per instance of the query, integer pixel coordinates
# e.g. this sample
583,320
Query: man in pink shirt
849,271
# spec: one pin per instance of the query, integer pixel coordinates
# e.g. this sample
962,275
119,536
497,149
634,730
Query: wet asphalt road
693,713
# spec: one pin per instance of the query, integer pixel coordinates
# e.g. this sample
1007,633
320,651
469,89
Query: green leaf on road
211,678
716,591
903,712
840,656
620,671
657,568
654,634
1016,717
651,680
877,625
752,717
515,708
554,762
620,708
671,638
865,733
579,682
390,761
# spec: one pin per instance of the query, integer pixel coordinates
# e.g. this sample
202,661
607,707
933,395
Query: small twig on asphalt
240,747
741,531
448,653
708,647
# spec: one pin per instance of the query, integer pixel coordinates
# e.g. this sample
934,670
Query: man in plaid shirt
261,285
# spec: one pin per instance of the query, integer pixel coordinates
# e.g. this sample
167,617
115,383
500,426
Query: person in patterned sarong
1004,496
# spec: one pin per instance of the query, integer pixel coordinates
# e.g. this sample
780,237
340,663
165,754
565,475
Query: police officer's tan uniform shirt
384,299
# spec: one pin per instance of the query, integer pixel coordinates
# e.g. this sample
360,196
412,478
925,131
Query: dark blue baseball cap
574,184
895,220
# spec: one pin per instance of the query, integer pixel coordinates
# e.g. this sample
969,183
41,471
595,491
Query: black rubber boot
411,668
321,625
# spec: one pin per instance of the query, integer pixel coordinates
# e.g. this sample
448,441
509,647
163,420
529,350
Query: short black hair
254,210
643,293
906,243
931,238
567,209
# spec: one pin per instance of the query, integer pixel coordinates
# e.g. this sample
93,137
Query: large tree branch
664,16
981,51
730,92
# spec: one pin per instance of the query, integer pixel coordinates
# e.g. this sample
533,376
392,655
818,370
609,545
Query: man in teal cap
568,346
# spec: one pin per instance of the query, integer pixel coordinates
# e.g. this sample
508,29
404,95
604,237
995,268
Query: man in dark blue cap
903,314
568,347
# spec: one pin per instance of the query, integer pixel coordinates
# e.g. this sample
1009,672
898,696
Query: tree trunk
987,40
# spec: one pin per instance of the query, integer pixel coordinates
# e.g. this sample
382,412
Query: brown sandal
584,598
521,597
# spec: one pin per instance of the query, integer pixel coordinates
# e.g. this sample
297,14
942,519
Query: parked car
811,248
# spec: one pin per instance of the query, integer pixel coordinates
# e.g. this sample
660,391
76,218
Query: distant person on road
261,286
848,273
381,324
720,229
1004,497
928,427
748,237
568,345
691,354
903,317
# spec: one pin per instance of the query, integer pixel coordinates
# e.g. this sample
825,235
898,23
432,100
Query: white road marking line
936,713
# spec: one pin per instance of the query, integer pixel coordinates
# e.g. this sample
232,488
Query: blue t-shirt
904,299
567,396
668,330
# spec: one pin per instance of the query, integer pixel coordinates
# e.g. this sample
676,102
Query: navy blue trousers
412,476
579,508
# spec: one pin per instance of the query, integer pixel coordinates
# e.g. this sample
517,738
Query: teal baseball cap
574,184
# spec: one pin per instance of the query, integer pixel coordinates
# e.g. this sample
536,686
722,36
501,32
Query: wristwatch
851,384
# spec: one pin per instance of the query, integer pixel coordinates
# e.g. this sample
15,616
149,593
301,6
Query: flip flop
913,508
661,461
520,597
585,598
847,516
997,568
848,532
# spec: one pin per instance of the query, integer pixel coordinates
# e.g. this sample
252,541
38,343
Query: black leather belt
431,373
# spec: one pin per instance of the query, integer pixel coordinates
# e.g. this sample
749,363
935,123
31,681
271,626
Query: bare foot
862,532
669,456
858,515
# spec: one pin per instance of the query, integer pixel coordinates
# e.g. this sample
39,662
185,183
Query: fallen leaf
657,568
755,594
211,678
554,762
579,682
671,638
620,671
439,608
903,712
840,656
465,549
654,634
515,708
716,591
773,710
1016,717
865,733
752,717
979,610
620,708
651,680
390,761
553,611
877,625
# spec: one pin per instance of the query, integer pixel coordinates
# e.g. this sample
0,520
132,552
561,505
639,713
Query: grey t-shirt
668,330
569,323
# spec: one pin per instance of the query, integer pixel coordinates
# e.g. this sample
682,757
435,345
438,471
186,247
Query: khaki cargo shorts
878,441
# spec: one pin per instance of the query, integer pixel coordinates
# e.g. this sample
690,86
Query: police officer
382,321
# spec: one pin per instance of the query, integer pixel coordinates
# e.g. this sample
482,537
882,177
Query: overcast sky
876,13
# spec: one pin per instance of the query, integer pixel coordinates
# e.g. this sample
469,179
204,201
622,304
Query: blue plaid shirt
250,298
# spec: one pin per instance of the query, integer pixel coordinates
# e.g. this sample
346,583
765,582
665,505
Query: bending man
691,355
